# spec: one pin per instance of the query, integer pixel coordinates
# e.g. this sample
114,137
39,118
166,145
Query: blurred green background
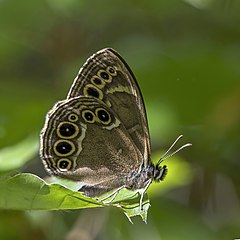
185,55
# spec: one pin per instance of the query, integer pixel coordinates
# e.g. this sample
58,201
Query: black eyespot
63,147
97,81
111,70
63,164
103,115
104,75
67,130
88,116
73,117
92,92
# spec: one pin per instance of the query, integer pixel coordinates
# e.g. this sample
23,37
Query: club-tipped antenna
165,156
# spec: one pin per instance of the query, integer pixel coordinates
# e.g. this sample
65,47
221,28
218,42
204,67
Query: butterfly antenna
165,156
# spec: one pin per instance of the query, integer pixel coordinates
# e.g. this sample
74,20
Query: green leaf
129,201
16,156
28,192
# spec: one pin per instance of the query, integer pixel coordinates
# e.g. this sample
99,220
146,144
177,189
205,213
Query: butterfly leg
142,192
112,195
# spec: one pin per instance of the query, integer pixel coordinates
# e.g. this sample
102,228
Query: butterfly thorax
138,180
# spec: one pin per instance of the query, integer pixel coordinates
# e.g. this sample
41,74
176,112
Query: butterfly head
159,173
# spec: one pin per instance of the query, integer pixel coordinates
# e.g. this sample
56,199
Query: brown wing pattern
84,140
107,77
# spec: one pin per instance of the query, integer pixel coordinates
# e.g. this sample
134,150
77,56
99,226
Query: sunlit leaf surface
29,192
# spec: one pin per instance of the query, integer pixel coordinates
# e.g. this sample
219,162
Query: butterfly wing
83,140
107,77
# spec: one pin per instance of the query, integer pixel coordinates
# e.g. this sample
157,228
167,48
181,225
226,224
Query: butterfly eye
67,130
88,116
73,117
63,148
103,116
64,164
104,75
111,70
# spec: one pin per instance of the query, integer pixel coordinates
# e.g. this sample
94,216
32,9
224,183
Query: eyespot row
69,130
100,115
66,131
99,81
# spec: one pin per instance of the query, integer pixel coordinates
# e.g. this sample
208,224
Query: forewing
107,77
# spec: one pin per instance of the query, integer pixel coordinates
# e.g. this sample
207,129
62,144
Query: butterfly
99,134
